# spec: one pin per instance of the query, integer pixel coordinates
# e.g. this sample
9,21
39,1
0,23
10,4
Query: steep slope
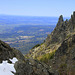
6,52
12,58
58,50
62,31
64,58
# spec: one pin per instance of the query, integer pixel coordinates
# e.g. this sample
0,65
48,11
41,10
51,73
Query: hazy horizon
66,17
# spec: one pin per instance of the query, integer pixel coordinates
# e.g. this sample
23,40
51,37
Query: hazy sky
37,7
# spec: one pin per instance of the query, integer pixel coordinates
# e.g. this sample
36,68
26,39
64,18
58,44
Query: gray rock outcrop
23,66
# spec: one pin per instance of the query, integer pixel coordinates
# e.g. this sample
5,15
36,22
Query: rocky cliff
64,58
23,66
58,50
62,31
56,56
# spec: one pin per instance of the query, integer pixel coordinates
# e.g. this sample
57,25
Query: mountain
55,56
64,58
58,50
12,62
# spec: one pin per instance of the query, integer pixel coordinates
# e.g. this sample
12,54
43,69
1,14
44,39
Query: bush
36,46
46,57
68,35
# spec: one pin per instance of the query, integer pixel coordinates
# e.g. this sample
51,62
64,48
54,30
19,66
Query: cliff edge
58,50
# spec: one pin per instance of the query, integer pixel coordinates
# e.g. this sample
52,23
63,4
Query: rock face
60,21
62,31
23,66
31,67
61,42
7,52
64,59
73,18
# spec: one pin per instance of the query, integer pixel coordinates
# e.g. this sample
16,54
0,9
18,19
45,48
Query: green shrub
46,57
68,35
36,46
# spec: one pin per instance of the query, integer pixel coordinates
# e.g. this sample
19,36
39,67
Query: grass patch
46,57
68,35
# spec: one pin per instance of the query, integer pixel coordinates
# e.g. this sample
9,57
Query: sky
37,7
